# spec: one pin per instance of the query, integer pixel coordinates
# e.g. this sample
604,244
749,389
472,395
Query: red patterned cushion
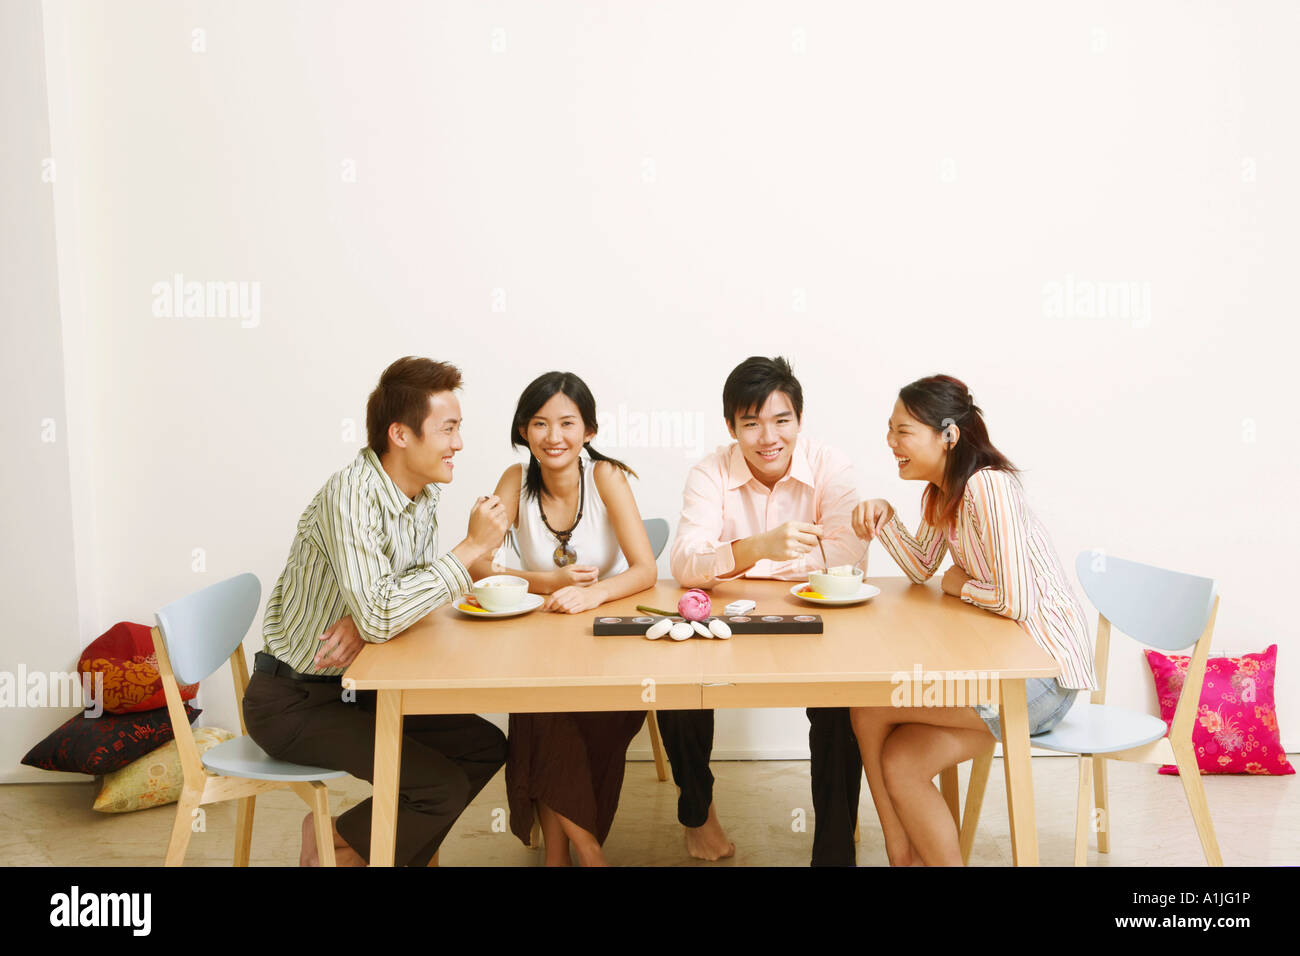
124,655
105,743
1236,724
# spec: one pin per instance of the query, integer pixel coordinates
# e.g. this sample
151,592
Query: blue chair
656,530
193,637
1163,609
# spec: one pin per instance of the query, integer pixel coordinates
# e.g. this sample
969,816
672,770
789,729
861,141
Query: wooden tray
605,626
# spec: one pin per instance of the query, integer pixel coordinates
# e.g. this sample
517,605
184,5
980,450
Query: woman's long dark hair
939,401
540,391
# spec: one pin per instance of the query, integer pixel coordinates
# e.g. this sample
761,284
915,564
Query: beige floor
1257,820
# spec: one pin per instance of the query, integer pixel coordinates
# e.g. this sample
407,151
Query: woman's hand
870,516
575,575
573,600
954,579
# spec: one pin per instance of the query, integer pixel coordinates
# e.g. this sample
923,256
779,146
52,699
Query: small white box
740,607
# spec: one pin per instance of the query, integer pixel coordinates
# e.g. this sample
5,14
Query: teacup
832,585
500,592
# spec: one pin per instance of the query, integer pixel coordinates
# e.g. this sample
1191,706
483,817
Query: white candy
659,629
719,629
680,631
700,629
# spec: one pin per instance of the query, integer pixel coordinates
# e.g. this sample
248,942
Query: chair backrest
657,530
203,629
1163,609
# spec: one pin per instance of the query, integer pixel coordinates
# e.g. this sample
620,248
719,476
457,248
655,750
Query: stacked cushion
103,744
156,778
124,655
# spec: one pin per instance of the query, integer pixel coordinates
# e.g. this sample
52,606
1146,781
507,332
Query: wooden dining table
871,653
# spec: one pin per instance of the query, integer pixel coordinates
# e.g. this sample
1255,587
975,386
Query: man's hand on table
340,644
954,579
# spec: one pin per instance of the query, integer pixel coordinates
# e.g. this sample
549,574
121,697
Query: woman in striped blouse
1004,562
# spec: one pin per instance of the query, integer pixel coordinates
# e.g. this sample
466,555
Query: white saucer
865,593
531,603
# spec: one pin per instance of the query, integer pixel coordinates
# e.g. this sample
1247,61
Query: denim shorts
1047,701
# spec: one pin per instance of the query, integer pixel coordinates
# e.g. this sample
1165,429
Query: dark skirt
573,763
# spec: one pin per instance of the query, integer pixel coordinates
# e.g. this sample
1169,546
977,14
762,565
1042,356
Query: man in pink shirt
756,509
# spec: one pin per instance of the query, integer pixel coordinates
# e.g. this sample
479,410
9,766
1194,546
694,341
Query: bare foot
344,855
709,842
590,854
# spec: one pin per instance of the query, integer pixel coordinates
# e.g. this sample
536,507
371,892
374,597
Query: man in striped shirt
363,567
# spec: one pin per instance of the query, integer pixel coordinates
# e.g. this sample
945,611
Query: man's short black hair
753,380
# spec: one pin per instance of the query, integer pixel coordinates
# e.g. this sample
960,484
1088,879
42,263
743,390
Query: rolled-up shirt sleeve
700,558
383,602
918,555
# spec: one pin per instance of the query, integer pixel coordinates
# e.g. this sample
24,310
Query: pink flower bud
695,605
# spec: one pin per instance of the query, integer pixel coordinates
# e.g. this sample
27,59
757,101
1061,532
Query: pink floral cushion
1236,724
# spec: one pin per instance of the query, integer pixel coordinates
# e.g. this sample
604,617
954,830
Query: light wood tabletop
541,662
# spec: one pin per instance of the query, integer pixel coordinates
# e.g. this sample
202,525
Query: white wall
42,521
646,194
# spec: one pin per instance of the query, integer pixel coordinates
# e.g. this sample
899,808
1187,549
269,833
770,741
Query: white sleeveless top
594,539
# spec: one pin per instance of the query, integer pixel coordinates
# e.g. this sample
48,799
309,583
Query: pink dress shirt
723,502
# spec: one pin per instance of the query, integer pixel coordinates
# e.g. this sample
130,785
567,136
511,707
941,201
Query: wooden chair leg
657,747
323,824
951,793
1101,802
1190,774
182,827
244,830
1083,812
975,787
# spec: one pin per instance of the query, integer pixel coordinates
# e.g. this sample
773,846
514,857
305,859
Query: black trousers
836,775
446,760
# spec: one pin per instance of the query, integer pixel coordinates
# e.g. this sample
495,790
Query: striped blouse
362,548
1013,568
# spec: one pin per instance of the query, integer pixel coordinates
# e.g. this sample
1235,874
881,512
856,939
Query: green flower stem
655,610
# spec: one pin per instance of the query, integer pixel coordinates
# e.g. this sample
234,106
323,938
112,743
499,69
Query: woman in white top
1004,562
582,543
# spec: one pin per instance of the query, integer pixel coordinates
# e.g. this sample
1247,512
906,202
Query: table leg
1020,782
388,771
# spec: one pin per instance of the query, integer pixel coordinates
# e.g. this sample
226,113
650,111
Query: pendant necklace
564,554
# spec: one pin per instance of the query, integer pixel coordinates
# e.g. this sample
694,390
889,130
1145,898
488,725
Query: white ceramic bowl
500,592
836,585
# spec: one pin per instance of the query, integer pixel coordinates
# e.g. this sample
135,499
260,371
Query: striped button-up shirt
1014,570
362,548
